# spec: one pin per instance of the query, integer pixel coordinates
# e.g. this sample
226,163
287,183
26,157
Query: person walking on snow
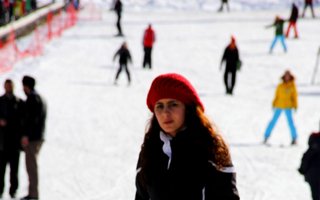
293,20
124,58
310,165
10,136
149,38
118,9
278,24
183,156
308,3
231,57
285,101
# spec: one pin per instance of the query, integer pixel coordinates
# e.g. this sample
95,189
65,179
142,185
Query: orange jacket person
285,100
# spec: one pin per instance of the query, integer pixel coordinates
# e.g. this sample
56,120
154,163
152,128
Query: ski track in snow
95,129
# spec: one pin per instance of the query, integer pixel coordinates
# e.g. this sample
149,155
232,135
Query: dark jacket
310,163
11,111
124,55
294,13
189,175
118,7
279,27
231,56
35,117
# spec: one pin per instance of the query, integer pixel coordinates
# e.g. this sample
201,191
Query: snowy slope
95,129
207,4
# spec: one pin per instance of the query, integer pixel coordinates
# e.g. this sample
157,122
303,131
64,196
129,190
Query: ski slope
95,129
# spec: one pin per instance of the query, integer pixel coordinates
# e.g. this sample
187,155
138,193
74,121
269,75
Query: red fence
11,53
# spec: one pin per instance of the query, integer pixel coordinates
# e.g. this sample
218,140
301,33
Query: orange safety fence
11,52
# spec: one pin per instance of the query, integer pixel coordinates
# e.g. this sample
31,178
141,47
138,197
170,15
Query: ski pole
315,68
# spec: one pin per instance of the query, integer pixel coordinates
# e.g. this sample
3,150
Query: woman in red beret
183,156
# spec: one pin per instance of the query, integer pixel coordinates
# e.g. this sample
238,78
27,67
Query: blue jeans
274,120
281,38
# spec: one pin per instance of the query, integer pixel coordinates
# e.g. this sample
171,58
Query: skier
182,156
10,136
118,9
231,56
293,20
310,165
285,100
222,4
124,58
148,40
278,24
308,3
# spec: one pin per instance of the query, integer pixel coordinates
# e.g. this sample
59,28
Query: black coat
124,56
190,175
118,7
231,56
310,163
11,109
294,14
35,117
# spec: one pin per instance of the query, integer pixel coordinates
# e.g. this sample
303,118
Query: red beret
172,86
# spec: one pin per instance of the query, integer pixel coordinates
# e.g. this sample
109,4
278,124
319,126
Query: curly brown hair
219,150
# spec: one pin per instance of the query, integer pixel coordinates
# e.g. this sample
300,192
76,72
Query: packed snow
95,129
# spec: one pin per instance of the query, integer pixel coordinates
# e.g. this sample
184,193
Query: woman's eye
159,107
173,105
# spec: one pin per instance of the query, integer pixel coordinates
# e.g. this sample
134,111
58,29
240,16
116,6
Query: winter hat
287,73
173,86
29,82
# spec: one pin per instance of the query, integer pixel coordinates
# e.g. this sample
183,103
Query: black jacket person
10,136
310,165
124,58
33,134
118,9
231,57
183,156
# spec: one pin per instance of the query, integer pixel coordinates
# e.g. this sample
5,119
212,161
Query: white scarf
166,148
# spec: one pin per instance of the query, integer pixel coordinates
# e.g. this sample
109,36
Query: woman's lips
168,122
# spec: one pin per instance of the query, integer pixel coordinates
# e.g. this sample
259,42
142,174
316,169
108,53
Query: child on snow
310,165
278,24
285,100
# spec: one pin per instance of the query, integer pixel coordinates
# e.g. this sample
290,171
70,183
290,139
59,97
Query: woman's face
170,114
287,77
